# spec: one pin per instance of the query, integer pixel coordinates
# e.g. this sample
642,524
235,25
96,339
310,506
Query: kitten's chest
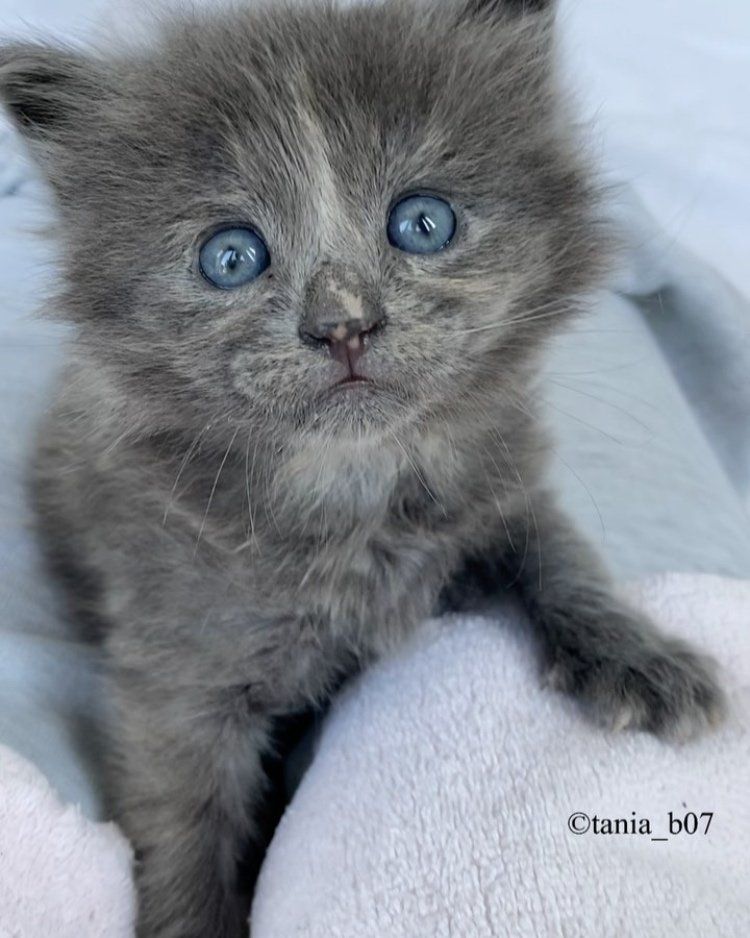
327,609
356,553
367,589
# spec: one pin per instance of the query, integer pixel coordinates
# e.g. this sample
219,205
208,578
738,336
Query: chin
358,412
348,460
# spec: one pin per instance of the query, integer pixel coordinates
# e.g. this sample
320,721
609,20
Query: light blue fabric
649,397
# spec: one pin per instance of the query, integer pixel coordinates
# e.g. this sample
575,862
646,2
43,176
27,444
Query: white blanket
439,805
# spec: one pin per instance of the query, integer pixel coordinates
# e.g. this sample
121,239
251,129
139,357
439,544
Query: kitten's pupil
229,259
425,224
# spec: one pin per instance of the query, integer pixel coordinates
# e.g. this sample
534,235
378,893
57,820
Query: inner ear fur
45,88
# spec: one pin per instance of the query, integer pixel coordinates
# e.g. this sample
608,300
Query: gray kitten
313,255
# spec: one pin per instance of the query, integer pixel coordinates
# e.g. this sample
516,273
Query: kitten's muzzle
346,342
341,317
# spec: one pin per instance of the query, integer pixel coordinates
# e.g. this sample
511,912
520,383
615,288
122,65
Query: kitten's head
309,220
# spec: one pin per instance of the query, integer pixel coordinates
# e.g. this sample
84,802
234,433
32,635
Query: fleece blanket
454,797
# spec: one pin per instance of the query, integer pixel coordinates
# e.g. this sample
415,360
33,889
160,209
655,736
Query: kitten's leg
598,648
187,785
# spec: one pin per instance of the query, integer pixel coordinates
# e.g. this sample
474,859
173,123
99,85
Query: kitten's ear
47,90
507,8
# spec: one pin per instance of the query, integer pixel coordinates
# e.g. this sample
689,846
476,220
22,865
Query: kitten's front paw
661,686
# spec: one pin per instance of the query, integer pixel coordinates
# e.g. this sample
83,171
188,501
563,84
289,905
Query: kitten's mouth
352,386
350,381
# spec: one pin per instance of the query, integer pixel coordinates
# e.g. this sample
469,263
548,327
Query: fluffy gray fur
241,536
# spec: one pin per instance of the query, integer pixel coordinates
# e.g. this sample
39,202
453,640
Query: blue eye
233,257
421,224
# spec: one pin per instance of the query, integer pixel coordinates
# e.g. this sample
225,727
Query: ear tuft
508,7
528,6
43,87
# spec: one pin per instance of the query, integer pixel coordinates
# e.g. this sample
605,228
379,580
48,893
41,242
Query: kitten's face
307,127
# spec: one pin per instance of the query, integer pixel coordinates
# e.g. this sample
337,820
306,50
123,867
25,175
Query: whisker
186,459
584,423
417,473
588,492
545,311
249,475
601,400
213,490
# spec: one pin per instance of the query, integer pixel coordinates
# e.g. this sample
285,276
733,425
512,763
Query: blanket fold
452,796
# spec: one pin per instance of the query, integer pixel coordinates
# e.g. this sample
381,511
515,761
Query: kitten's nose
341,316
345,341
